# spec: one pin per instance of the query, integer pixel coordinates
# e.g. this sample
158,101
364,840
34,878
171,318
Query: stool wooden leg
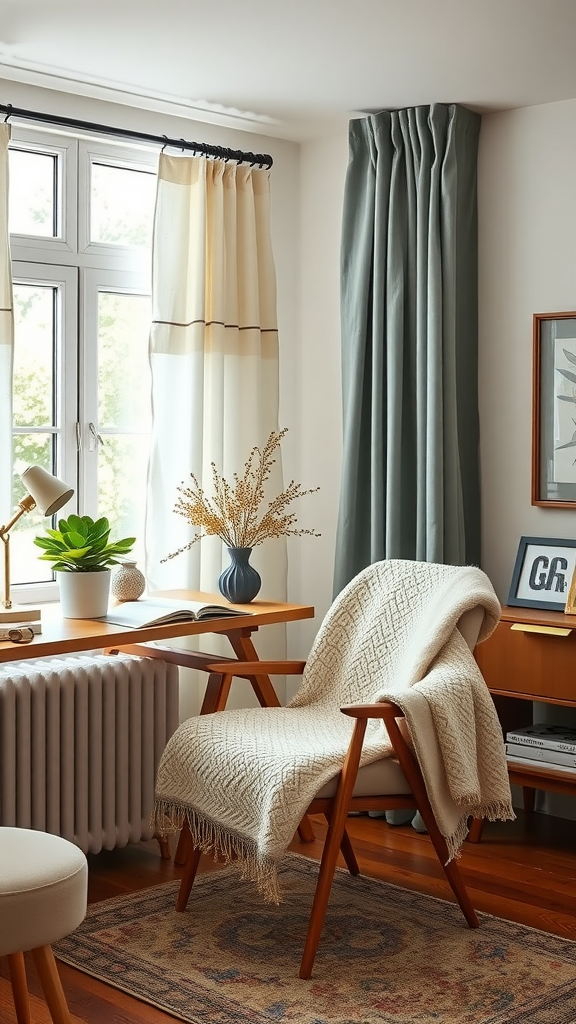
51,984
184,845
187,880
17,971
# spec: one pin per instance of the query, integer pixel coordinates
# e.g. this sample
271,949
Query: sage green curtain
409,292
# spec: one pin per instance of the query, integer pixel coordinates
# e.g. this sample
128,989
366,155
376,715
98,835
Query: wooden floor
524,871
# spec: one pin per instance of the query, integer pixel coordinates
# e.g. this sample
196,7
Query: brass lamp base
19,613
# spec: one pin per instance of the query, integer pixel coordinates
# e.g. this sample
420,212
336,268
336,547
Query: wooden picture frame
554,410
543,572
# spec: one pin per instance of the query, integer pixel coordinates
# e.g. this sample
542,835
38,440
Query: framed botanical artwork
554,410
542,573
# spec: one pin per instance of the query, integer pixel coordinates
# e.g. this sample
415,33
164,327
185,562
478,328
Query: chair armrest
379,710
257,668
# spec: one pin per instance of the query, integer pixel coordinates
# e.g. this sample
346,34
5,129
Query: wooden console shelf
531,656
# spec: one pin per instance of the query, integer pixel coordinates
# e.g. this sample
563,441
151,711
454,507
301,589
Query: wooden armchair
391,782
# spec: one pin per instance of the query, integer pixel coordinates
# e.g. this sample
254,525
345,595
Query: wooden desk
522,663
67,636
71,636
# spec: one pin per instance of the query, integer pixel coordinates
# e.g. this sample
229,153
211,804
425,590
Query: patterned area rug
387,956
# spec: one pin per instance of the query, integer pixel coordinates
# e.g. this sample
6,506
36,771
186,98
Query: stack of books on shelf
18,618
547,746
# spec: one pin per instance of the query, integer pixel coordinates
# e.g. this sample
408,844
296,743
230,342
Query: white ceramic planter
84,595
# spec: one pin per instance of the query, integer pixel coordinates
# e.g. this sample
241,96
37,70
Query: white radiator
80,741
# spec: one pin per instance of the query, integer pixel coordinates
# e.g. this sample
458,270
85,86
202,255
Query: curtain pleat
410,476
6,334
214,356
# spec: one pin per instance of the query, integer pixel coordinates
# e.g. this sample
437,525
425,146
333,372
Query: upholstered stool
43,882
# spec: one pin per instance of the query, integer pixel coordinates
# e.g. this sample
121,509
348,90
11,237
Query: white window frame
65,279
79,267
65,244
129,258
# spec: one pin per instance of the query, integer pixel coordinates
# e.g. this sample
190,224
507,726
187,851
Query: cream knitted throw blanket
243,779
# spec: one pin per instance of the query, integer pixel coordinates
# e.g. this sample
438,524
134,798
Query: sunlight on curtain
6,334
214,357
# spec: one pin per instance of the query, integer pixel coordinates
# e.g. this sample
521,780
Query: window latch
95,437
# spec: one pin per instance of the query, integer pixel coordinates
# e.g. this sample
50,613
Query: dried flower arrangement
234,513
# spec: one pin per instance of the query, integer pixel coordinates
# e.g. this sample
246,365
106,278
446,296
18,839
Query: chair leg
475,832
348,854
332,846
51,984
412,772
306,831
450,868
187,880
20,996
347,851
164,847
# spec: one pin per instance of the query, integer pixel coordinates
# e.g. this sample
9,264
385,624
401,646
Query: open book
161,611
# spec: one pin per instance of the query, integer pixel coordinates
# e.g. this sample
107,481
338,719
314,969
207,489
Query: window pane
29,450
124,412
123,367
33,397
32,191
122,468
121,205
34,333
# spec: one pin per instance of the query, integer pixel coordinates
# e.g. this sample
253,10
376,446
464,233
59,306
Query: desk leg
245,651
216,694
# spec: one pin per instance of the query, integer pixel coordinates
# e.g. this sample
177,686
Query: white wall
312,396
527,209
527,206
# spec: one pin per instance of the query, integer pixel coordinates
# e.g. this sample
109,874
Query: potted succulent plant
81,552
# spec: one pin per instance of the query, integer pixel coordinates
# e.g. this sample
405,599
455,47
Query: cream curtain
6,334
214,357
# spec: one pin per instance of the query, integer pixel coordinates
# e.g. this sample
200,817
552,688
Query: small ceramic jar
128,583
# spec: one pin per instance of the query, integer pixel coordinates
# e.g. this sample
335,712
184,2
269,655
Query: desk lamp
46,493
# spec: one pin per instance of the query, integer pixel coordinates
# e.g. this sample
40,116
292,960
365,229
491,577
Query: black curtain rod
204,148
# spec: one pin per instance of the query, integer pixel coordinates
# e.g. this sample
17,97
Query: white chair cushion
386,776
376,779
43,886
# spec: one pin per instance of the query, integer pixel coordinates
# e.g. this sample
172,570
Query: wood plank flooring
524,871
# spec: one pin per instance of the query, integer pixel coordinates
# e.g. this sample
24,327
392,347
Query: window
81,216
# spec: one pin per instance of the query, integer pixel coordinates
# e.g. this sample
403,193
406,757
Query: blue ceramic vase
240,582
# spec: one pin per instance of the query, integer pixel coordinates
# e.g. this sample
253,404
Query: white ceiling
293,69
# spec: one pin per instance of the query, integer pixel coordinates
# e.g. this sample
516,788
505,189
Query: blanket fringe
220,843
501,811
455,841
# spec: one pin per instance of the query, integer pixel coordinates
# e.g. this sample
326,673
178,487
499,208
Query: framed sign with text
542,573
